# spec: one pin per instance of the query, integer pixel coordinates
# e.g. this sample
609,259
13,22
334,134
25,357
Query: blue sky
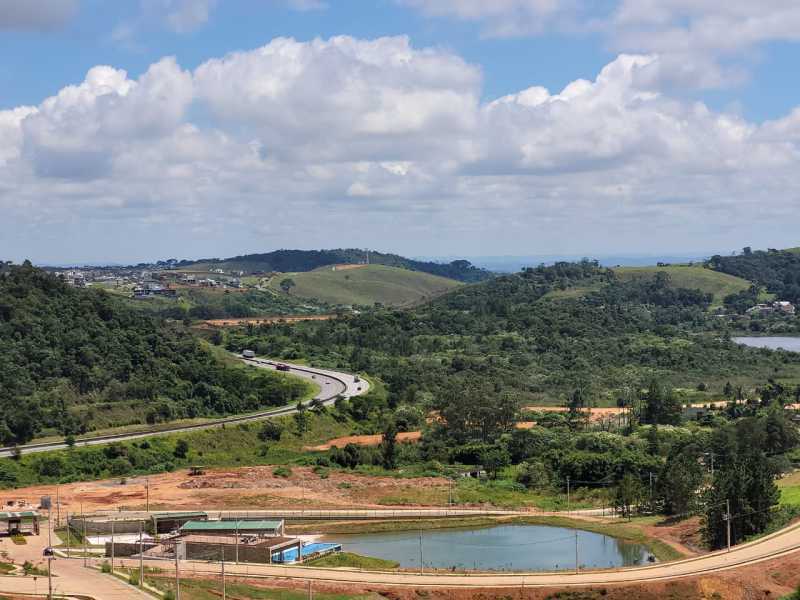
677,134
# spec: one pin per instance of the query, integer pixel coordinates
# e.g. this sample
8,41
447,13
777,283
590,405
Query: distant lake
773,343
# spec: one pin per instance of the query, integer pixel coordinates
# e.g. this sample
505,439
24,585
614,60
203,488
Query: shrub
534,475
282,472
271,431
181,449
133,578
105,567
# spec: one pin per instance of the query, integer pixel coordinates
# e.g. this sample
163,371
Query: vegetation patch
352,561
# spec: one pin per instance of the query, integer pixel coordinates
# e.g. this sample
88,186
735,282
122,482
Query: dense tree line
777,271
77,359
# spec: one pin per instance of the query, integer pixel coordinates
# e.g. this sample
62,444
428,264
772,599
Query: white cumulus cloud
378,143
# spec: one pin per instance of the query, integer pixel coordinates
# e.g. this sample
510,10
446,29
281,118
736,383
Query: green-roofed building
20,522
256,528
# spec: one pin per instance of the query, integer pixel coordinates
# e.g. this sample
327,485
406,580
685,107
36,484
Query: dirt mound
364,440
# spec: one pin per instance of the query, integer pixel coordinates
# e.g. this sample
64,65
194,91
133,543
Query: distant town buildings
779,306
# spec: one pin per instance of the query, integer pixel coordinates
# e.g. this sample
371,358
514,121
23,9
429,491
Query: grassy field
206,589
718,284
366,285
790,489
352,561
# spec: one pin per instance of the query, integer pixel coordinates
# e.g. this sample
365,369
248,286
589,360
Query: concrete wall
247,554
123,549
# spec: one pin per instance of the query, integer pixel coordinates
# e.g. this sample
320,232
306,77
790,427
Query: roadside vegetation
209,589
78,360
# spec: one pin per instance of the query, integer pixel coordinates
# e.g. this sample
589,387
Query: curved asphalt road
331,383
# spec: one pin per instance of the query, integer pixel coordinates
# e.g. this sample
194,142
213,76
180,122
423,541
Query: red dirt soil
364,440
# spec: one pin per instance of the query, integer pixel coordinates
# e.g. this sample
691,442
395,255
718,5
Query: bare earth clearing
364,440
226,489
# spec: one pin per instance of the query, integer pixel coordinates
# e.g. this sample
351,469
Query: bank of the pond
621,530
511,547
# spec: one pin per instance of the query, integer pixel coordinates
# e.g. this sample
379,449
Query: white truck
248,354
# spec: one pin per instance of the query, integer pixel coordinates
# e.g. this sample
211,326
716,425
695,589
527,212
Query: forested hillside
74,360
290,261
777,271
508,334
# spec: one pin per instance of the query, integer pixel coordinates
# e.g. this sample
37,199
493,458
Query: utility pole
147,494
728,522
577,565
310,591
68,544
177,574
50,556
85,553
222,549
58,508
421,562
651,492
141,556
112,546
567,495
237,543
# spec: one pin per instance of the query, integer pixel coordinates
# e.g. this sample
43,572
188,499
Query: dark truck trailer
283,367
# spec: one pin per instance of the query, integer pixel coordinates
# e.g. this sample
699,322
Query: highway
331,383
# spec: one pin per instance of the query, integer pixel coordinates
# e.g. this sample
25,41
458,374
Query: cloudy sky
146,129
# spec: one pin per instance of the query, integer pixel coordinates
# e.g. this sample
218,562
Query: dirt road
780,544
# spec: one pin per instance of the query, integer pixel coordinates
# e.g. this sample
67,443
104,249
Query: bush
534,475
133,578
105,567
271,431
282,472
169,595
181,449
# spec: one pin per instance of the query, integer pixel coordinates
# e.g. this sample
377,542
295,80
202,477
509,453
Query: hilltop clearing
368,285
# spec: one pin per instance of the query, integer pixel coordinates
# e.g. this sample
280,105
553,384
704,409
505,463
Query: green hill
366,285
706,280
295,261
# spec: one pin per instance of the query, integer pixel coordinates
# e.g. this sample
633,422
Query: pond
773,343
499,548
